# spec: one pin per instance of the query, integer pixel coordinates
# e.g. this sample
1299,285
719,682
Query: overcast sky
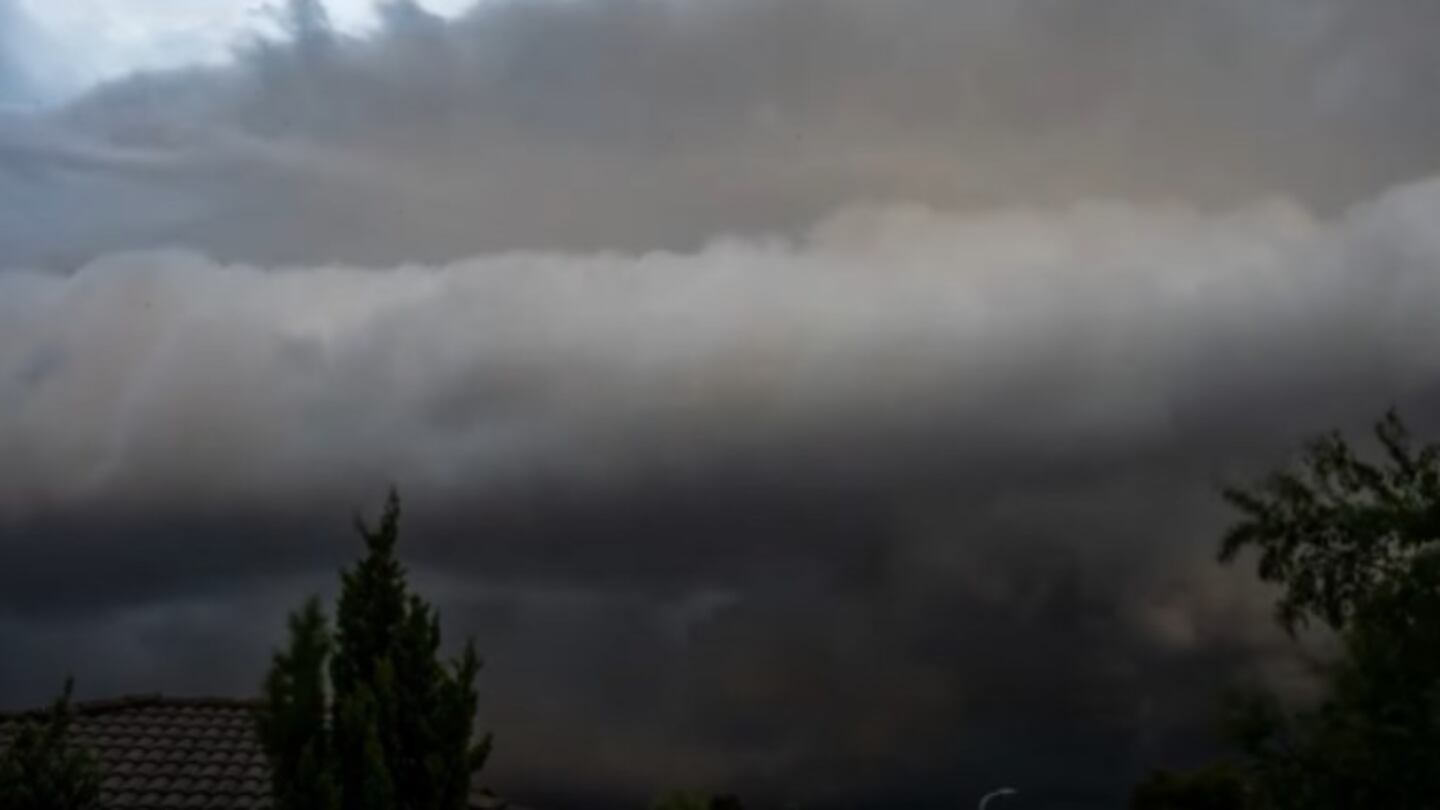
817,399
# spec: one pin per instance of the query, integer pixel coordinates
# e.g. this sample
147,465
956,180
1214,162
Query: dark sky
824,400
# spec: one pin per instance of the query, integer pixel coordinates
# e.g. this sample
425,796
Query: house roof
162,753
169,753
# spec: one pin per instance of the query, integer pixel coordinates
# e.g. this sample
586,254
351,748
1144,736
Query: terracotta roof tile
163,753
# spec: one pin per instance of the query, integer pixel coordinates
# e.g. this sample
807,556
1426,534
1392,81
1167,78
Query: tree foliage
681,800
395,728
1355,546
1340,534
1217,787
293,722
40,770
693,800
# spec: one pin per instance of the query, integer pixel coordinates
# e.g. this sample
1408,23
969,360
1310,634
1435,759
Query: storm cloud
642,124
822,399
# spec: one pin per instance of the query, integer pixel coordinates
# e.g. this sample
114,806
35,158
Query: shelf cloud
821,397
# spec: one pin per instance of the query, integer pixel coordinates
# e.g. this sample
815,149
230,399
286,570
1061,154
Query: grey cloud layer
652,123
14,81
1088,330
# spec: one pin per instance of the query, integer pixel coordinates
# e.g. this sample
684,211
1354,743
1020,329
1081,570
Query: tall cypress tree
401,721
293,723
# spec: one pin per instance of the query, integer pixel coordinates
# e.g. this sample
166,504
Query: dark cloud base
823,648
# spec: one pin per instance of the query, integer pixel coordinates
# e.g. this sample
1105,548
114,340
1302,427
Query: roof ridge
139,701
